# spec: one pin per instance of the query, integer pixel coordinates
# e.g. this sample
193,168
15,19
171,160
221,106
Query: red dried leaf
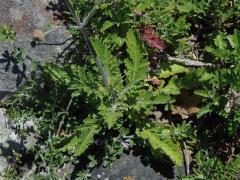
149,35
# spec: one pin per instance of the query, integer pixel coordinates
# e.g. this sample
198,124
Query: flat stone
25,16
131,167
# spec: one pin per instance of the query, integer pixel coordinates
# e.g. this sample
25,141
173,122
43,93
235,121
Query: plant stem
81,26
97,60
89,16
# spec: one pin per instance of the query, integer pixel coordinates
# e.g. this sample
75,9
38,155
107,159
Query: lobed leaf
110,115
81,139
170,148
137,67
110,64
168,70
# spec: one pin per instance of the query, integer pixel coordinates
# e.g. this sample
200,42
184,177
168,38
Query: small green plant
16,55
9,173
6,33
212,168
118,104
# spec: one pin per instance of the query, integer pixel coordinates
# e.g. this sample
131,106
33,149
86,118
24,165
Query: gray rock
8,140
25,16
129,166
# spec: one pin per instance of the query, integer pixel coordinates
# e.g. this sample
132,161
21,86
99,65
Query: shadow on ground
17,69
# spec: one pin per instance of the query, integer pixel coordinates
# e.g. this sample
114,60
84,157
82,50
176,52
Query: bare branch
189,62
186,158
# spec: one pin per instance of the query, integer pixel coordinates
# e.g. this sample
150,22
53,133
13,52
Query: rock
130,167
8,140
25,16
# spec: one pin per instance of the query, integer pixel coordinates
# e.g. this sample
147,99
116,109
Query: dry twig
186,158
189,62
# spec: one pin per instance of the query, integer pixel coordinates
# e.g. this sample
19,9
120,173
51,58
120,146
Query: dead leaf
153,81
128,178
180,111
158,114
186,105
138,12
38,35
62,132
162,121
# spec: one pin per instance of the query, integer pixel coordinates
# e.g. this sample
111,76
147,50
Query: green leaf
172,88
110,64
82,81
106,25
192,79
166,145
86,139
187,7
109,115
220,41
57,74
222,53
168,70
234,39
6,33
232,169
144,5
221,44
195,78
205,110
203,93
150,98
141,100
137,67
71,9
77,79
81,139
